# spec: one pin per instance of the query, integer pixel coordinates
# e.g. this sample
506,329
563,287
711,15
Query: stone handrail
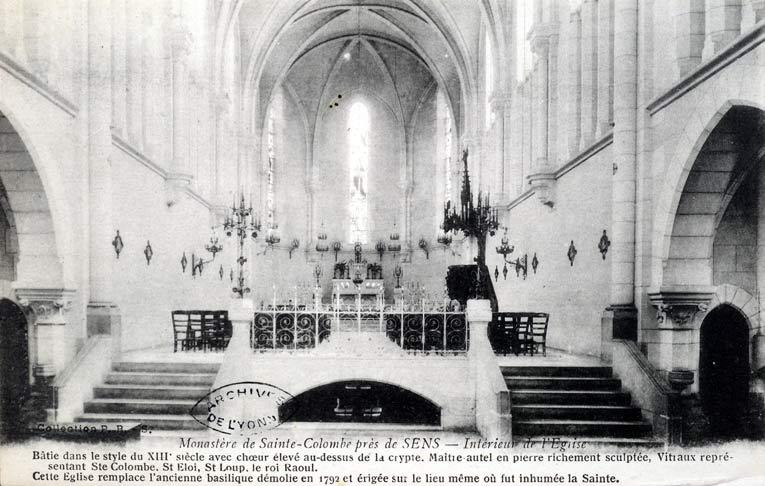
74,385
492,398
659,403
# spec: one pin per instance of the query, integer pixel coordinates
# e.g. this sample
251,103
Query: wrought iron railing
427,331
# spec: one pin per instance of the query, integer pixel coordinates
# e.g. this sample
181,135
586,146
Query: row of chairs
200,330
519,332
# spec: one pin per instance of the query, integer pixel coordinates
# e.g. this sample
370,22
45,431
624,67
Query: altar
368,294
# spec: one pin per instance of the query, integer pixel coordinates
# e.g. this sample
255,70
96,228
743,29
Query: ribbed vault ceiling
301,42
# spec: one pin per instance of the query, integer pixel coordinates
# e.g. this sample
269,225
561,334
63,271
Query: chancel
519,219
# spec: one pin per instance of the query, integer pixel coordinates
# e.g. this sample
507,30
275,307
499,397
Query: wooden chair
524,342
181,330
195,330
538,336
211,330
502,332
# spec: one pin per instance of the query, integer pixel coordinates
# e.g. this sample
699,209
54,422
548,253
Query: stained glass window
270,170
358,143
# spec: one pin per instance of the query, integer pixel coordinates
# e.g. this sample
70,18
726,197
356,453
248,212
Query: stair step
562,397
139,406
149,392
562,383
576,412
594,428
149,378
559,371
173,367
157,421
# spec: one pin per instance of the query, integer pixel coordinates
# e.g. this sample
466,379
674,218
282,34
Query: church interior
556,208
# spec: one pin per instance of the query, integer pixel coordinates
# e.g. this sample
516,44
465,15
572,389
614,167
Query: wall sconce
118,244
148,253
571,253
520,264
380,247
398,272
184,262
214,246
603,244
424,246
294,245
336,247
197,265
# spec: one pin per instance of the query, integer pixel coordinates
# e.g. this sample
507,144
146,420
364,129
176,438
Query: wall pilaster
589,83
605,67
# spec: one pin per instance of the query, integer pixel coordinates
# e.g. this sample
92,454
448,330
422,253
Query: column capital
542,36
678,307
47,304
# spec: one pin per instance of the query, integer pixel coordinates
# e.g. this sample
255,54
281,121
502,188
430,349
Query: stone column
181,44
761,238
134,76
36,37
102,314
674,344
119,66
589,83
621,315
500,167
180,175
605,66
46,310
689,34
574,92
758,6
541,45
542,177
723,22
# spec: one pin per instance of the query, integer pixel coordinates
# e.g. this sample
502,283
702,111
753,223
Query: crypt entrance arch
29,256
14,368
724,370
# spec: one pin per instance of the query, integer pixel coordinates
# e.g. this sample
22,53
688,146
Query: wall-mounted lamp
294,245
505,249
118,244
425,246
603,244
571,253
148,253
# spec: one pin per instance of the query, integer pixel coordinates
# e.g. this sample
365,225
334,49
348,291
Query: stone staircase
157,395
583,402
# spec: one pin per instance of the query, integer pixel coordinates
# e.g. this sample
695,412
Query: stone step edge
132,417
147,401
556,421
578,406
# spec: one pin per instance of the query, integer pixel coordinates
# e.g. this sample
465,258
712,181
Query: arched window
445,141
270,170
358,161
488,78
